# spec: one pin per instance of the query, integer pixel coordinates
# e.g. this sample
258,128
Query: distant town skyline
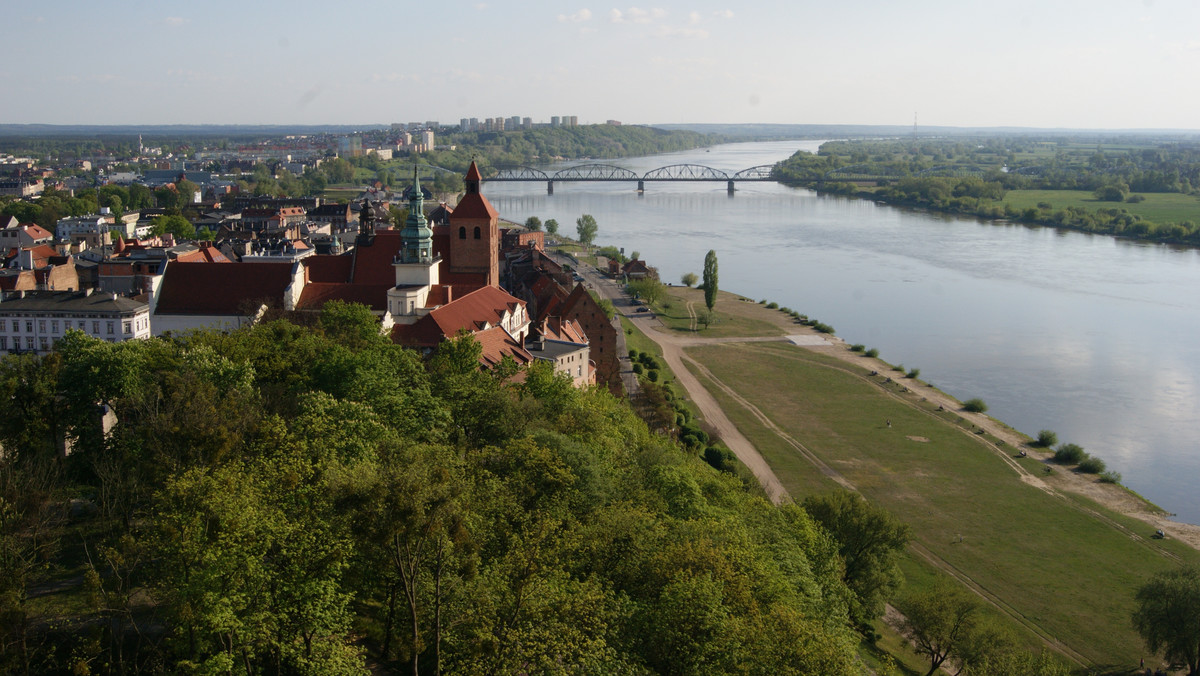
1112,64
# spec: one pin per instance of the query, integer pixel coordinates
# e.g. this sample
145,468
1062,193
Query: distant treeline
973,177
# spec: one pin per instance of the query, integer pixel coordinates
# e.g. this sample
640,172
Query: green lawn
1158,207
1063,572
734,315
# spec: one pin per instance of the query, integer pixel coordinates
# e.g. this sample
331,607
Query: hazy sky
1045,63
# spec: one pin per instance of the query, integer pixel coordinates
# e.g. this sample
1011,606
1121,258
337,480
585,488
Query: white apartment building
33,321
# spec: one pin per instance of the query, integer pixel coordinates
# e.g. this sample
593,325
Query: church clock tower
475,233
416,266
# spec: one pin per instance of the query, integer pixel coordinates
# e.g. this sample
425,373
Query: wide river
1093,337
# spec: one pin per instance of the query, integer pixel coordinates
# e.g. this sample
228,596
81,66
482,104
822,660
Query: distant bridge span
608,172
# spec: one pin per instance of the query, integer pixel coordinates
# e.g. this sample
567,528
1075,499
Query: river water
1090,336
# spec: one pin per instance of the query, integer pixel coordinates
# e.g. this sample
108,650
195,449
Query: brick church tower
474,233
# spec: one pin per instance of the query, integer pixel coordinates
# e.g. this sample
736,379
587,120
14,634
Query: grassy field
735,315
1158,207
1048,561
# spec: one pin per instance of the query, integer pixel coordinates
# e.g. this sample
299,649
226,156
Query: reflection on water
1086,335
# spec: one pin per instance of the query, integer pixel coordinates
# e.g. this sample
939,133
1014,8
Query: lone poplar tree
710,279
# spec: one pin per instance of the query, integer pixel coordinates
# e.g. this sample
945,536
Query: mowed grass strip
1062,569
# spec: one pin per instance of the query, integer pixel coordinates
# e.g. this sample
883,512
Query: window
128,328
477,232
462,233
3,342
82,325
28,326
111,327
41,326
96,328
16,326
54,326
28,342
45,343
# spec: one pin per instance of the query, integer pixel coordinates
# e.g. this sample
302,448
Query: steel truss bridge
608,172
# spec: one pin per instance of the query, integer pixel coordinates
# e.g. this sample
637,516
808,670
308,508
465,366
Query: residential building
33,321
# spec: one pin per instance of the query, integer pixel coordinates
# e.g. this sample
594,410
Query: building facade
33,321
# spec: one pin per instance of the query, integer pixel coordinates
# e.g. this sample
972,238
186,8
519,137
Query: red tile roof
476,311
329,268
36,231
210,289
496,345
316,294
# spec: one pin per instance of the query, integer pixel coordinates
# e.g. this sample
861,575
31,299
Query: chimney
449,293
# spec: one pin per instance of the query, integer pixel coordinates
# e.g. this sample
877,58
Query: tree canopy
586,227
710,279
1168,616
292,515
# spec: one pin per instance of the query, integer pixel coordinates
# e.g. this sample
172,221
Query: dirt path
715,417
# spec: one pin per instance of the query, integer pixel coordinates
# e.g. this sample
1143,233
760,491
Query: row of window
44,343
127,325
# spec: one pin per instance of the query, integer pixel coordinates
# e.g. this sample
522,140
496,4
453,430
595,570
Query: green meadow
1047,562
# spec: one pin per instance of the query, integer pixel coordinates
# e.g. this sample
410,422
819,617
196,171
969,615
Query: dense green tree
1168,616
533,223
938,622
586,228
552,226
689,279
179,226
648,289
870,542
710,279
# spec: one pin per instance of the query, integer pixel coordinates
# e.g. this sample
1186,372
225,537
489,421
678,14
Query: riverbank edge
1008,217
1114,497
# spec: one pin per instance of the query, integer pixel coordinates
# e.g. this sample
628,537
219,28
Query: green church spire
416,236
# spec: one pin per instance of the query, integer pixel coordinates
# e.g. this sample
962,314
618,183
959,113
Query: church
426,281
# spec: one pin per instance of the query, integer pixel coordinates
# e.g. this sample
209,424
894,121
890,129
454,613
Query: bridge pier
731,187
641,186
549,187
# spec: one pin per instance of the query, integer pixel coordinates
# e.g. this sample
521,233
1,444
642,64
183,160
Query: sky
1091,64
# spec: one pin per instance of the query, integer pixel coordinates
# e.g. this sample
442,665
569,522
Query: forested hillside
314,500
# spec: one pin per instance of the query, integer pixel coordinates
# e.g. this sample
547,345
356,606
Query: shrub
898,367
633,354
872,353
637,368
1091,465
857,347
1069,454
1046,438
1110,477
1133,199
822,328
652,375
786,310
762,302
772,305
975,405
913,373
